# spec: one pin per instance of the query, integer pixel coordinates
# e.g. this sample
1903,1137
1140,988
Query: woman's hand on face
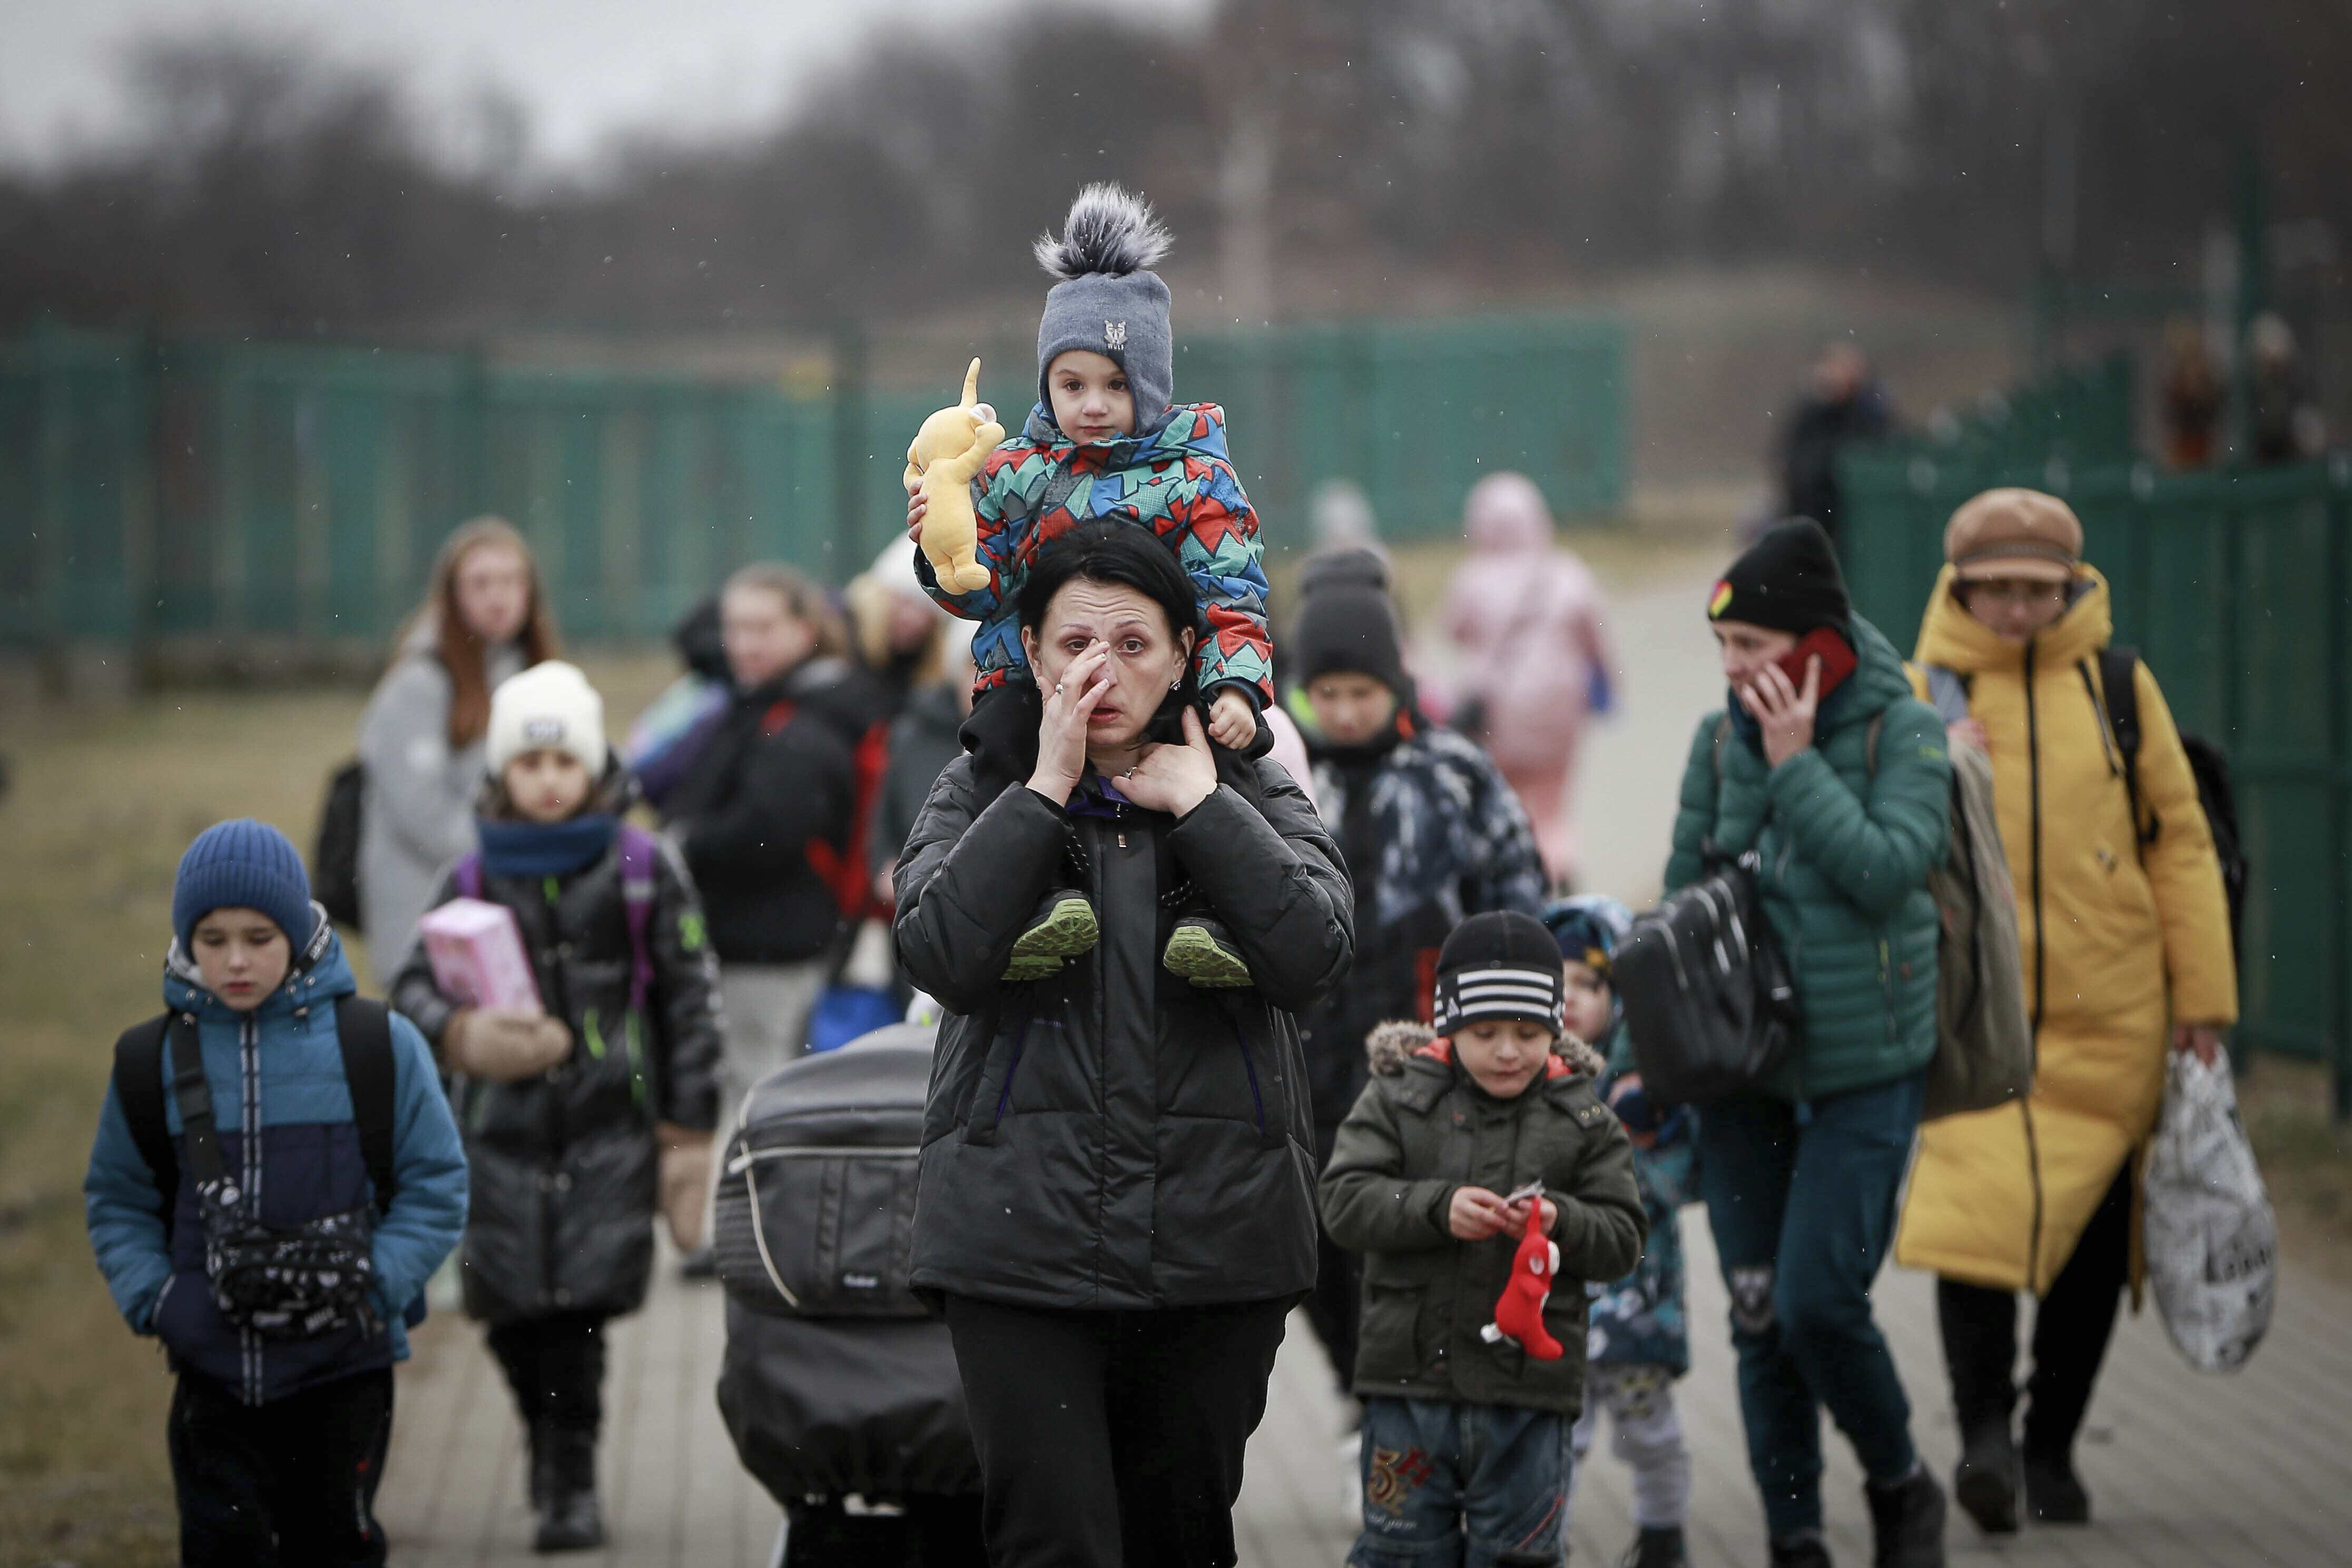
1786,714
1475,1214
1062,732
1174,778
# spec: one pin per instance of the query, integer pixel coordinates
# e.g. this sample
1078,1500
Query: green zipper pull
595,1038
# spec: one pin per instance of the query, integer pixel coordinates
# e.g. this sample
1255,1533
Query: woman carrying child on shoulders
1115,1206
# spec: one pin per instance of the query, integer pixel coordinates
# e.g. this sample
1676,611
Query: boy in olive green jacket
1424,1180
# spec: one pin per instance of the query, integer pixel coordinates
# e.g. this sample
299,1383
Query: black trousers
289,1484
555,1364
1113,1439
1335,1308
2071,1330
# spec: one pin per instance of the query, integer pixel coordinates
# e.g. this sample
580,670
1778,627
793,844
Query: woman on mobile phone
1826,765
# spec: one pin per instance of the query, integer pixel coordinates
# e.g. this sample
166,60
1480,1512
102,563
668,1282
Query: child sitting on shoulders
1640,1342
1465,1427
1106,440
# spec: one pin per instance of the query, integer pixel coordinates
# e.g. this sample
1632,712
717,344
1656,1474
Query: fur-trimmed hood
1390,1045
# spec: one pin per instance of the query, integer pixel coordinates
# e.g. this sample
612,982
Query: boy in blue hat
1638,1342
276,1174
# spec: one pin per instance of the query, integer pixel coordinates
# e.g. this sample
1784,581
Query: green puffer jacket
1845,858
1420,1130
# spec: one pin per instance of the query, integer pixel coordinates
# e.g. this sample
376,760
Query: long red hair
455,644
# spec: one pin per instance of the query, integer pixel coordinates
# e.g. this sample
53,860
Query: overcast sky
582,68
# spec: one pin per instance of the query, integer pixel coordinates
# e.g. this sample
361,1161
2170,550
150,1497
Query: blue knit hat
1588,929
243,864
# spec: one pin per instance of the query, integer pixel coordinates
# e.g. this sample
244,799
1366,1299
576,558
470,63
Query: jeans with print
1462,1486
1801,1202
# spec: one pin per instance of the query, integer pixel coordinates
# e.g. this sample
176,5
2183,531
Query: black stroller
840,1392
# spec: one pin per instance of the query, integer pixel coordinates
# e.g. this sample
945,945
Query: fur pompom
1109,229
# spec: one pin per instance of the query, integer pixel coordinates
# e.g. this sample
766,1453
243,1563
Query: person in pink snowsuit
1526,613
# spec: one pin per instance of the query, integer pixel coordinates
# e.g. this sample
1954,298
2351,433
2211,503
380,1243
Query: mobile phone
1836,654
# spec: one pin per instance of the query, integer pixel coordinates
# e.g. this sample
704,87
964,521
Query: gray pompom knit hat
1107,300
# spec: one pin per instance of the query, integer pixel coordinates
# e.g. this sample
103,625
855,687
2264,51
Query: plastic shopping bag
2212,1241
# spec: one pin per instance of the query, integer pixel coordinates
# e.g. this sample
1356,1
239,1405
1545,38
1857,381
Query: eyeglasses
2023,593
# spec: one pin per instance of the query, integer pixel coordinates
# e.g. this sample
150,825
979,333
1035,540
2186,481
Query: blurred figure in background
897,634
485,617
923,741
2193,396
1431,834
2287,427
763,818
1526,613
1844,404
1340,517
673,730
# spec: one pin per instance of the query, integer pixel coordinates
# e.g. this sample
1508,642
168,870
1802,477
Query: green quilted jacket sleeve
1876,850
1695,817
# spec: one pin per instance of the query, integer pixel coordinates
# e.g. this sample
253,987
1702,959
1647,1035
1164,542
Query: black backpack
335,860
2118,675
1711,1005
364,1030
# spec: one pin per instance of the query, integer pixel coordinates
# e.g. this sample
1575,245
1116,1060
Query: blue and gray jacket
1639,1321
285,1124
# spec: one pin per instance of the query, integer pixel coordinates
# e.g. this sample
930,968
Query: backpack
335,858
1984,1037
1710,1003
364,1030
2118,677
844,870
639,849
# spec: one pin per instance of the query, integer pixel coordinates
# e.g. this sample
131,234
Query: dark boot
2052,1492
570,1520
1986,1482
1062,926
1906,1522
541,1480
1656,1549
1809,1550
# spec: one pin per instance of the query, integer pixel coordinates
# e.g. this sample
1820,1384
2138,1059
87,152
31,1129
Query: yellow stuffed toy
946,456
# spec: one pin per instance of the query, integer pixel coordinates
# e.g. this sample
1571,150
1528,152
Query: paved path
2252,1470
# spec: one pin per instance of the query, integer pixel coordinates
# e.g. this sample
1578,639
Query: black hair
1107,551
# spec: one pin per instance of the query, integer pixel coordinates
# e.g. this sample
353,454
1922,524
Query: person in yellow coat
2126,946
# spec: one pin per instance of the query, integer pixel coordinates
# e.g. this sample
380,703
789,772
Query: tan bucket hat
2014,532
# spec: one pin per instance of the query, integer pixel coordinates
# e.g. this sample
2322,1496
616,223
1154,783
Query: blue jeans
1801,1202
1462,1486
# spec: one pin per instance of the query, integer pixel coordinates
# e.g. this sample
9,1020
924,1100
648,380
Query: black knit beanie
1499,965
1346,624
1787,581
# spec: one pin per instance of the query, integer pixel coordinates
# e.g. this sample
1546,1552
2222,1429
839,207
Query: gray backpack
1984,1040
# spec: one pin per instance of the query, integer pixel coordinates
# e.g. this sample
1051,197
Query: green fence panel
237,497
2235,586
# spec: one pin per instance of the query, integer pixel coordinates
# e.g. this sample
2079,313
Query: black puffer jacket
565,1165
770,798
1113,1138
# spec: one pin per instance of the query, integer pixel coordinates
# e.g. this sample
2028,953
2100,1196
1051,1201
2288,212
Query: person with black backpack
1831,784
2125,925
585,1117
276,1176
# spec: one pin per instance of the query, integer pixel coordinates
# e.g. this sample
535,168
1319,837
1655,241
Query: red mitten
1519,1313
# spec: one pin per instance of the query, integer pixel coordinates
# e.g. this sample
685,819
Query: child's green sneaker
1203,951
1063,928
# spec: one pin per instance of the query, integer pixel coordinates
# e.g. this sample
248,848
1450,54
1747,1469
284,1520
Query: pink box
477,956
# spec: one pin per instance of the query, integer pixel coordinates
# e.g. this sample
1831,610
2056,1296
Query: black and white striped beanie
1502,965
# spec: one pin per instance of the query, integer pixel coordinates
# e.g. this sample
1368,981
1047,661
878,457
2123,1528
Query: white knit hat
549,706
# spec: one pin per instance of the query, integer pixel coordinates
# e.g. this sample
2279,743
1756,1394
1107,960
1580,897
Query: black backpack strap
194,1098
2119,690
139,1089
364,1030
